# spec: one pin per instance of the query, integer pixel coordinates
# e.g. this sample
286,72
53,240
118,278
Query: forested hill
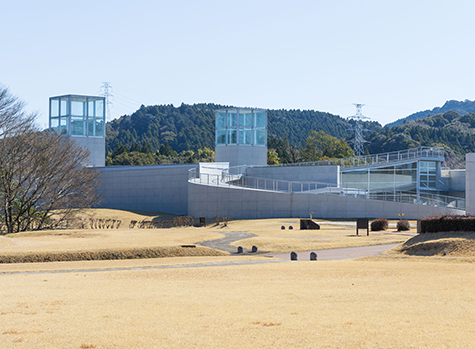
191,127
460,107
449,129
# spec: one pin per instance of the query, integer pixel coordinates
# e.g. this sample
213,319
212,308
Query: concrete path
223,244
339,253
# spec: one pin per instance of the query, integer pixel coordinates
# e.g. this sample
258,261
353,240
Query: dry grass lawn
269,236
400,300
372,303
333,234
453,244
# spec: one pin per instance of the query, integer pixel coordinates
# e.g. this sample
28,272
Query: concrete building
83,119
241,185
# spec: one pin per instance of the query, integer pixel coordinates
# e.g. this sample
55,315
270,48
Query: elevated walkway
376,160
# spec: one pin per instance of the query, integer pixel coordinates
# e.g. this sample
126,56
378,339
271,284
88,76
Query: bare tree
42,173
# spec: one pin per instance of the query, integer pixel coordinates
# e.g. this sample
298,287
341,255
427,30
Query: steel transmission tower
106,91
358,117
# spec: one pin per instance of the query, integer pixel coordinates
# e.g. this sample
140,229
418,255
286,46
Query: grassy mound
135,253
455,244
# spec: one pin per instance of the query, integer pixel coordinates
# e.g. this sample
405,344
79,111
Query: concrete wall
210,201
324,174
146,188
470,183
454,179
238,155
97,148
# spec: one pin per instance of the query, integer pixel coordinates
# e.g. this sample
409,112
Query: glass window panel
90,127
78,126
99,127
54,107
432,178
232,136
78,106
260,137
221,119
99,108
220,137
63,126
245,136
91,108
260,119
423,178
432,164
232,119
54,124
64,106
431,184
245,118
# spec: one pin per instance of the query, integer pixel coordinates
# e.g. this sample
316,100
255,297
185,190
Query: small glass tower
83,119
241,136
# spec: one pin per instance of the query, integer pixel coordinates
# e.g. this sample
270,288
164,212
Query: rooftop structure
241,136
83,119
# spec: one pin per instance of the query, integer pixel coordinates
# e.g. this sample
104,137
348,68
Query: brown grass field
403,299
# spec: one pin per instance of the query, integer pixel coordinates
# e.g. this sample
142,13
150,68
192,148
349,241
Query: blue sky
396,57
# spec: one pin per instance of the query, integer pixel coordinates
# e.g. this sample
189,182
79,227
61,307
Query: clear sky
396,57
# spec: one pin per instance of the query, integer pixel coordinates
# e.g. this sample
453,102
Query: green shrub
403,225
444,223
379,224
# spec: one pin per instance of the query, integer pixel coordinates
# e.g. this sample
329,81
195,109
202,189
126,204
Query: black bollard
254,249
313,256
240,249
293,256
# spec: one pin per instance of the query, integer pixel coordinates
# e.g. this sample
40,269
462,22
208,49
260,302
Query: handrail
240,181
375,159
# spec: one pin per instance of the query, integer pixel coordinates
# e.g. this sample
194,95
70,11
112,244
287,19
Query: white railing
377,159
237,179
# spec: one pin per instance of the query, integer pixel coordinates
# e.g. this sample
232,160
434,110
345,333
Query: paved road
340,253
223,244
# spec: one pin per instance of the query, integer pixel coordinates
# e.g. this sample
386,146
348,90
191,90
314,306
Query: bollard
254,249
313,256
293,256
240,249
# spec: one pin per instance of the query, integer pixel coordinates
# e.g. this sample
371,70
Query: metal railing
238,180
376,159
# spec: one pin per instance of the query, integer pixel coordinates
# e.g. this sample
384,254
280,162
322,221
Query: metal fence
377,159
237,179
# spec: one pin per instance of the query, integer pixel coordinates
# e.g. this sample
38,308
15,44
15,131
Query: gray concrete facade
209,201
238,155
324,174
96,147
470,183
160,188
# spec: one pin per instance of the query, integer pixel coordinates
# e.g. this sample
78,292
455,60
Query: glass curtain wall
78,115
241,127
401,177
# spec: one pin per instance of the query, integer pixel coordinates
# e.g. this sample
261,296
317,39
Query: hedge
444,223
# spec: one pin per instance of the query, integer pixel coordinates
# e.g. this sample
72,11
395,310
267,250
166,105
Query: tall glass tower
241,136
83,119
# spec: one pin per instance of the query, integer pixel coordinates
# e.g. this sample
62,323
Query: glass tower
241,136
83,119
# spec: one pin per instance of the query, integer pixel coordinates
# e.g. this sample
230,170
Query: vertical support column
470,183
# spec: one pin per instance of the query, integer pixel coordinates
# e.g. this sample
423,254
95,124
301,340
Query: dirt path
223,244
340,253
